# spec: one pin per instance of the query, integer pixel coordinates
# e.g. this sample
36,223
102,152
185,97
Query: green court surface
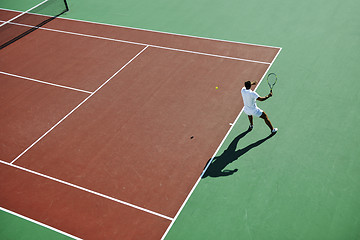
14,227
303,183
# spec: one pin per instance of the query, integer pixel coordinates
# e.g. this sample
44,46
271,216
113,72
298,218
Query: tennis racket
271,79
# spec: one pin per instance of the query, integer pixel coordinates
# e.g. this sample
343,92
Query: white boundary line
67,115
212,158
87,190
22,13
170,33
148,30
38,223
142,44
210,55
43,82
73,185
155,46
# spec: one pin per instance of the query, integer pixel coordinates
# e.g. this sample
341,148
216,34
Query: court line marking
73,185
67,115
22,13
39,223
43,82
155,46
148,30
214,155
170,33
87,190
141,44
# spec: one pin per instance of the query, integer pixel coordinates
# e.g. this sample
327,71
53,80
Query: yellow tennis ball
217,87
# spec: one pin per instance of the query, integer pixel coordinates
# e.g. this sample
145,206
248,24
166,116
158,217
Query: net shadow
31,21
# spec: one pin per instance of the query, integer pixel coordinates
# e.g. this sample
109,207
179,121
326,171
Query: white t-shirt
249,98
250,107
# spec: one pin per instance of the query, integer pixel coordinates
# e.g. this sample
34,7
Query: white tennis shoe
274,130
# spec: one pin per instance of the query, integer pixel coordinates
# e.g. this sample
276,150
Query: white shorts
253,111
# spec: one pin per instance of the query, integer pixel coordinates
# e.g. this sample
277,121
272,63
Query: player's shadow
219,163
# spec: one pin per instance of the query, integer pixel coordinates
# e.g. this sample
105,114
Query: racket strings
271,79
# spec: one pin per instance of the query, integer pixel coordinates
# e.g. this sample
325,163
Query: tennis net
26,22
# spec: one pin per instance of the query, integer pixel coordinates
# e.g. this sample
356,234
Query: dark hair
248,84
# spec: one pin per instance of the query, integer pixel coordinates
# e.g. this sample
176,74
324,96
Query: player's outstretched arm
264,98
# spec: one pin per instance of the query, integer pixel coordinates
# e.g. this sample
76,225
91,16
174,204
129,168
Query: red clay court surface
102,148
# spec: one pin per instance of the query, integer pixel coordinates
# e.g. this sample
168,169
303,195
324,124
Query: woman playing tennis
250,107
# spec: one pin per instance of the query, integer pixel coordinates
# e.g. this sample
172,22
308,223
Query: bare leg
267,121
251,120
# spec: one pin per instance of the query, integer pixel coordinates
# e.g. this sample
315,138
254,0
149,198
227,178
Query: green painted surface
304,183
16,228
18,5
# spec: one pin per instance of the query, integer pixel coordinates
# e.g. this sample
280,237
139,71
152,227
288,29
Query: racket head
271,79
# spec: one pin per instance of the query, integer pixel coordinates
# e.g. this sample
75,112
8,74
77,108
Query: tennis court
106,131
